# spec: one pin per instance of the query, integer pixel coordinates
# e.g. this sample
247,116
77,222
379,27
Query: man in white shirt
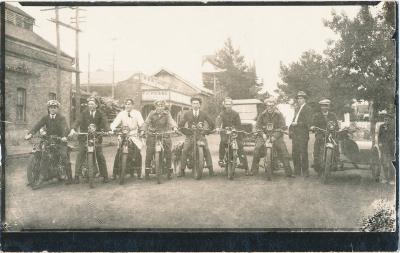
133,120
299,133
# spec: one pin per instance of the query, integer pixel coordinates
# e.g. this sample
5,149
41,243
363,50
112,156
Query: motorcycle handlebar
275,131
236,131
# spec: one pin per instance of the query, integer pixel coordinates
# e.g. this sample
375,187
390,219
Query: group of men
160,120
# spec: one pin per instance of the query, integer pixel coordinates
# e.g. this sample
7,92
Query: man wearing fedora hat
56,125
386,143
320,120
298,132
90,116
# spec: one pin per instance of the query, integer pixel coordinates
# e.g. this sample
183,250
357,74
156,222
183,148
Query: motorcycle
195,159
231,156
159,166
270,156
90,167
46,162
128,155
329,159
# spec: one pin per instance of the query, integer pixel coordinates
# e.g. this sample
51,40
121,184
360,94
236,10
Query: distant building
210,72
30,73
165,85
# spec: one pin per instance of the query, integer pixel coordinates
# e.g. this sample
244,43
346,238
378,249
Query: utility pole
113,70
88,75
58,52
77,73
76,21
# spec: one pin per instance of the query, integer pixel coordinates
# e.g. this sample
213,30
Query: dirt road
246,202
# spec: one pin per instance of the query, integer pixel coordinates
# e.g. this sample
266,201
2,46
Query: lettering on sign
167,95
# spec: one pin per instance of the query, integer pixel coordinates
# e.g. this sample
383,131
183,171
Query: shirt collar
53,116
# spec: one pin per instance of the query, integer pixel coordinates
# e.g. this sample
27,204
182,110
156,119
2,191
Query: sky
147,39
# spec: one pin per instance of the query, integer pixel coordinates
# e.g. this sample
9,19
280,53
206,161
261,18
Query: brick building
31,74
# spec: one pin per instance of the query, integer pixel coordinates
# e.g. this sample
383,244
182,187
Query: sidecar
356,150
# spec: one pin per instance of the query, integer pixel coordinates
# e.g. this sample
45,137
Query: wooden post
77,74
58,84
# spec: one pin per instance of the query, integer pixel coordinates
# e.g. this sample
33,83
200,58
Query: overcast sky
176,38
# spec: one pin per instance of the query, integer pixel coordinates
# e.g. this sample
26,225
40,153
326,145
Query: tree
308,74
362,60
238,79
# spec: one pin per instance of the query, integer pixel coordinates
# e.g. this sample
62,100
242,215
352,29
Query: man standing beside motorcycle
271,115
56,125
90,116
194,117
133,120
320,120
159,120
387,142
230,118
298,132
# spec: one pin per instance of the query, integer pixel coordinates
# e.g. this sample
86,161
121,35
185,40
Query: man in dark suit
99,119
321,120
298,132
194,117
56,125
230,118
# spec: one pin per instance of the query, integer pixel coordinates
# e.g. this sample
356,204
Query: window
52,96
21,104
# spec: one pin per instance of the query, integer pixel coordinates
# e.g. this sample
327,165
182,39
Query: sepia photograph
261,118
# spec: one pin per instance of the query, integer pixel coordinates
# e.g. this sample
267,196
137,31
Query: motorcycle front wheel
328,162
91,169
232,165
158,162
123,168
200,163
268,163
32,170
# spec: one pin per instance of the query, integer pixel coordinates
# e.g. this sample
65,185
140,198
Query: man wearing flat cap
271,115
55,124
91,115
159,120
320,120
298,132
194,117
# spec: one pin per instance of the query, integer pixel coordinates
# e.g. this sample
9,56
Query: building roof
195,87
30,38
18,10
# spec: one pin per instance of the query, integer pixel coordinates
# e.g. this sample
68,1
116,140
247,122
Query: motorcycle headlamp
331,126
42,132
125,130
92,128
